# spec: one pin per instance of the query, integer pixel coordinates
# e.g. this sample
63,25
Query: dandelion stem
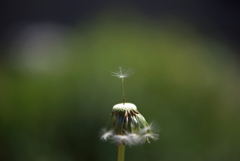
121,151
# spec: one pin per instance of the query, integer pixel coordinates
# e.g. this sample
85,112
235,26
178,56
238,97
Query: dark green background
54,105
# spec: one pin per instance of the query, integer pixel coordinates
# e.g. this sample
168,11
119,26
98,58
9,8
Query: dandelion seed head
124,106
130,126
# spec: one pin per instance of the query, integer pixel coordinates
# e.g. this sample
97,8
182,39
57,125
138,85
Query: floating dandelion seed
130,126
122,73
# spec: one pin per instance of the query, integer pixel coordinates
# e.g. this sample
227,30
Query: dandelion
129,125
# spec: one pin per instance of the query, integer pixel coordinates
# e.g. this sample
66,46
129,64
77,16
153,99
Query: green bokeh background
54,107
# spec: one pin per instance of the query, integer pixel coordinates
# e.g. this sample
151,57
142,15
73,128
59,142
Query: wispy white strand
129,138
122,73
106,134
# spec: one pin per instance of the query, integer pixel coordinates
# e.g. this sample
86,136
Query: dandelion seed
122,73
106,134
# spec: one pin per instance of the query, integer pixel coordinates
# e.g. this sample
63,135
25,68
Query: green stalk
121,151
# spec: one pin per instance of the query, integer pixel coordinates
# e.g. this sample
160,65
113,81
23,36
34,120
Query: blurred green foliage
184,82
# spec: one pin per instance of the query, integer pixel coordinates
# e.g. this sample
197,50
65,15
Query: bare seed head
130,127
